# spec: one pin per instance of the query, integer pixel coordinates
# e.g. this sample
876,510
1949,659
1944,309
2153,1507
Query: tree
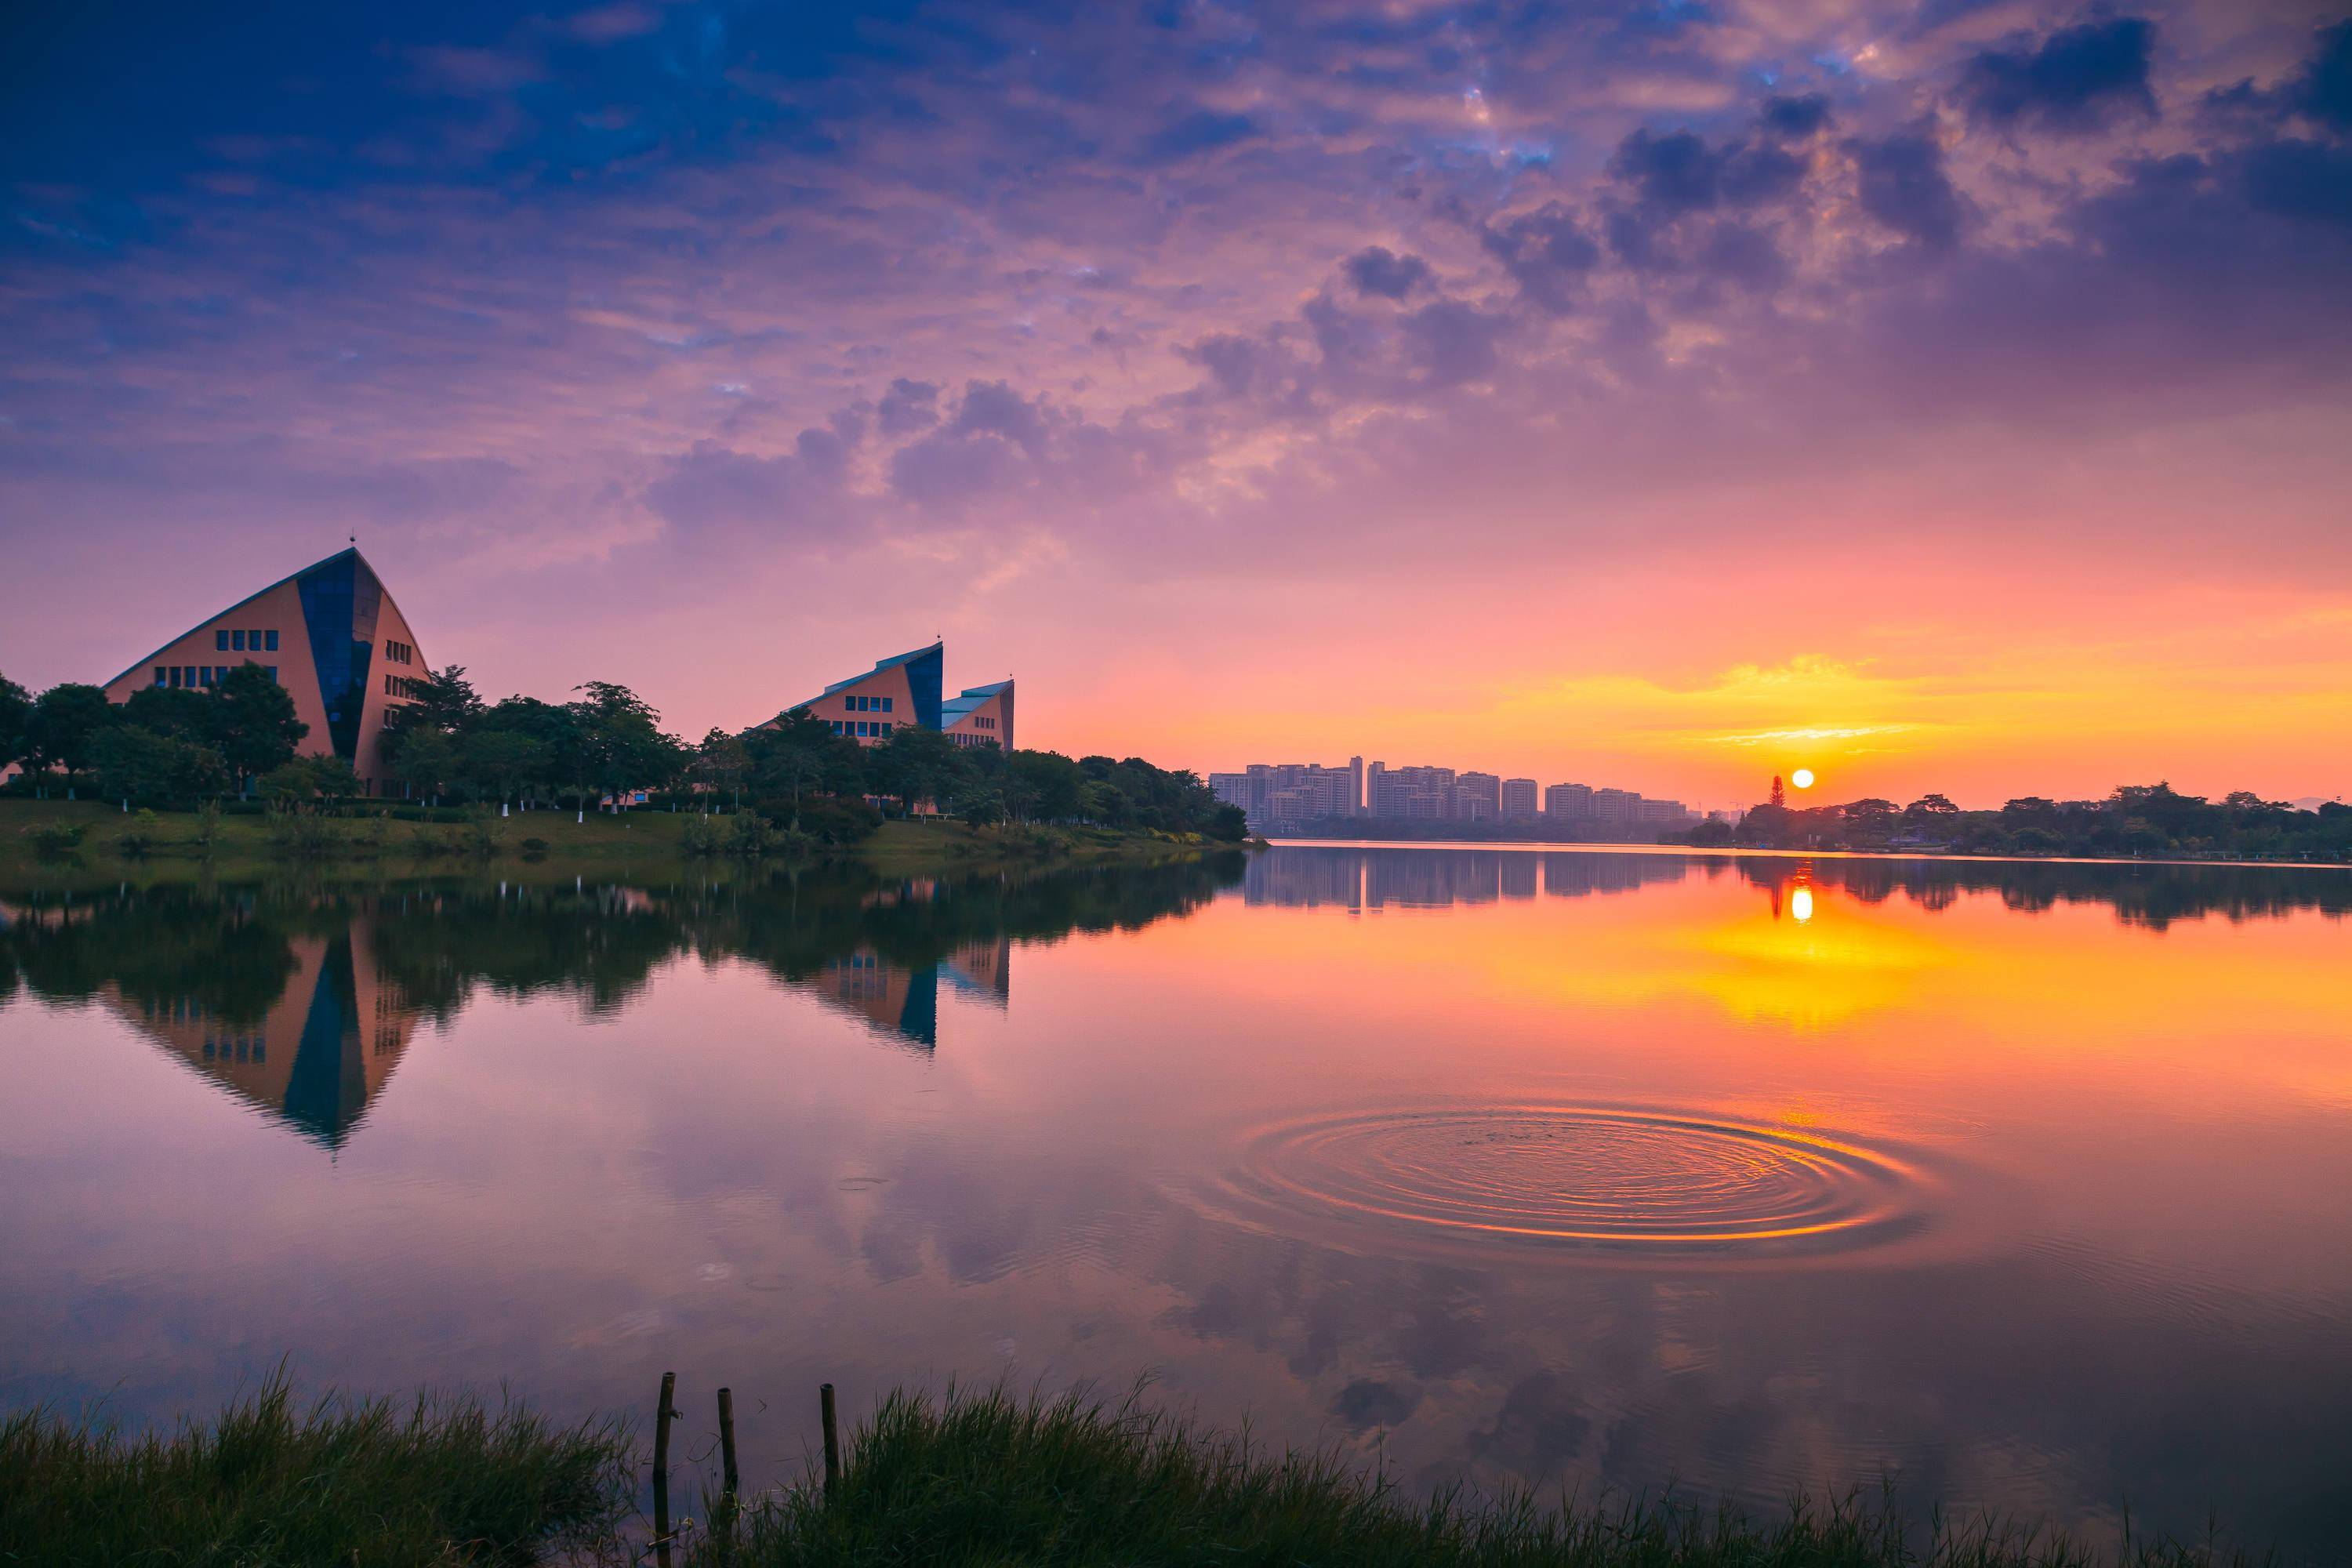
309,778
427,761
500,761
724,761
799,753
67,722
1929,806
552,729
189,713
254,725
624,747
15,721
446,702
1048,784
134,762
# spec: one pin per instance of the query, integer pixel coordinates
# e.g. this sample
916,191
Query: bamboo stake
663,1415
727,1449
832,1442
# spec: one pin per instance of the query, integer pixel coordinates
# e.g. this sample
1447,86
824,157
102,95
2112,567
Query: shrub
702,838
299,830
140,837
534,846
56,837
828,819
483,833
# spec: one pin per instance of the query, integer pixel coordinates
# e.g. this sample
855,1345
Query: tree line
2134,820
178,746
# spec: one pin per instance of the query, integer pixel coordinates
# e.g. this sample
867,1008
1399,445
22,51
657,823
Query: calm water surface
2026,1186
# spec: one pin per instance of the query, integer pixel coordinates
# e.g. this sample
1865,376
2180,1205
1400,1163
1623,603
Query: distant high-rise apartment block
1569,802
1298,794
1477,797
1615,806
330,634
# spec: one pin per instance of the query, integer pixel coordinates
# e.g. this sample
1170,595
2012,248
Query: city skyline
1946,398
1295,794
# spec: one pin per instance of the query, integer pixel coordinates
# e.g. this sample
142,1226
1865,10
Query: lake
2024,1185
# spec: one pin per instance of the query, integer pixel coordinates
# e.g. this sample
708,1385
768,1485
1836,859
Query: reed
988,1477
271,1483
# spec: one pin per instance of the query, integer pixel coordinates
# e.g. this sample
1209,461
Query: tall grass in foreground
989,1479
436,1482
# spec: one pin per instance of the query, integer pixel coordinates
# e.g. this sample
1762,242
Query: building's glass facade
340,602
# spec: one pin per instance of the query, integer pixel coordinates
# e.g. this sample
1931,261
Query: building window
270,643
884,726
886,705
272,668
163,676
220,642
237,641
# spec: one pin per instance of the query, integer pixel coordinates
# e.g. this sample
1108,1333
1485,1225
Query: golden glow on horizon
1802,778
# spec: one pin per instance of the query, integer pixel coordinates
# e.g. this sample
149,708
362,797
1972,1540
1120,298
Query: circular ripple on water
1581,1177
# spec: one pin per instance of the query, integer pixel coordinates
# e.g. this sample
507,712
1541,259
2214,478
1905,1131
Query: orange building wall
834,706
992,720
279,609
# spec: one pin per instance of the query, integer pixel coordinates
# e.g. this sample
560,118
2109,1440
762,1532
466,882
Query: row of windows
240,641
983,723
868,704
861,727
200,675
401,686
249,1049
399,652
962,739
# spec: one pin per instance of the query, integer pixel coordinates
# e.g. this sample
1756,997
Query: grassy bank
987,1479
973,1479
168,842
273,1484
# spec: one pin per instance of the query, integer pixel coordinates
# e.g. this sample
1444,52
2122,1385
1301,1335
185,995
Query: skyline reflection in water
2022,1183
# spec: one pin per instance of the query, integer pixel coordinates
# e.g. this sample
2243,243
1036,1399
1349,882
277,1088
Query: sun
1802,778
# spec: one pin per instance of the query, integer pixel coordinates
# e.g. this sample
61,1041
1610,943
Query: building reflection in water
315,1058
903,1001
300,1001
1417,878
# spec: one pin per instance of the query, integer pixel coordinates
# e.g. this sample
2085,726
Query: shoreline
640,841
965,1475
1733,852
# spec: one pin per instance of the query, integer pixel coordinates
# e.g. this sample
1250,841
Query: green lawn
601,841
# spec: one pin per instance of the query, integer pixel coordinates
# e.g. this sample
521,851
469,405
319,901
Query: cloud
1200,130
1546,252
1377,271
2299,179
2077,79
713,486
909,407
1901,182
1795,117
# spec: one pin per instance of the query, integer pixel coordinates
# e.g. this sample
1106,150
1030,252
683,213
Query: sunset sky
1952,395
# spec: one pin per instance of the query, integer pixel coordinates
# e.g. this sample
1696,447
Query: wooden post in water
726,1450
832,1442
663,1414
